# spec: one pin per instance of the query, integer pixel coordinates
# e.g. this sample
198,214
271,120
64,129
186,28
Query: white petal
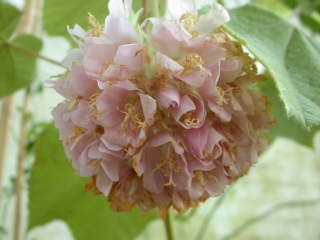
74,57
216,17
176,8
120,8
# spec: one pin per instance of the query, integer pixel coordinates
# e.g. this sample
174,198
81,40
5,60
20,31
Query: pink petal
168,97
103,183
149,107
131,56
168,63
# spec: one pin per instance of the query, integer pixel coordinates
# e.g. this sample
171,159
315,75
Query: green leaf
9,18
279,7
291,57
17,67
284,126
310,22
291,3
56,192
58,14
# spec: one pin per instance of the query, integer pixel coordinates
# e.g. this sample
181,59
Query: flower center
188,20
190,119
133,117
193,61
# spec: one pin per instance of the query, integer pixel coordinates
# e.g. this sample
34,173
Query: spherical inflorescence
159,116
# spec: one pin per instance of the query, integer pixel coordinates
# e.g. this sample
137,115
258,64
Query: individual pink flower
188,111
161,163
126,113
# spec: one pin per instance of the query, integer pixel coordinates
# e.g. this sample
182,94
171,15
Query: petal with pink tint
149,107
169,38
97,57
103,183
168,63
76,84
115,72
195,78
107,102
190,104
168,97
131,56
120,31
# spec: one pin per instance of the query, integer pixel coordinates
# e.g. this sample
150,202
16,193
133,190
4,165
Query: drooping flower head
164,115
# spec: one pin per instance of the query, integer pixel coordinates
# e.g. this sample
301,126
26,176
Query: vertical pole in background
5,125
28,24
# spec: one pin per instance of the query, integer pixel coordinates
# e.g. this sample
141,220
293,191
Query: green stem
168,226
33,54
156,8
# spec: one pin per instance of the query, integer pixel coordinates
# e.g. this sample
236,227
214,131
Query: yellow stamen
133,117
92,104
200,178
188,20
97,28
192,61
76,133
190,119
222,99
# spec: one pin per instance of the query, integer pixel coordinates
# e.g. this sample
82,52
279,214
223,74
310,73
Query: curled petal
168,97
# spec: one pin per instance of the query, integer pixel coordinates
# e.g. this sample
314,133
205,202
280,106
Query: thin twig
204,227
168,226
5,120
254,220
33,54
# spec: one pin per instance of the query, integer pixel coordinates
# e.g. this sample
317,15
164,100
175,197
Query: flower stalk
168,226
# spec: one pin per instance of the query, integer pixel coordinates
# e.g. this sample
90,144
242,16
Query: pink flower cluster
167,117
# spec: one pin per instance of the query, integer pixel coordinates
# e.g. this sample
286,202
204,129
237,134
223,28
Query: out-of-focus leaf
56,192
291,3
291,57
58,14
17,67
310,22
284,126
151,7
276,6
9,18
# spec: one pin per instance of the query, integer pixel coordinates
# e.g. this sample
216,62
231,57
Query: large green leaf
9,18
56,192
285,126
291,57
17,67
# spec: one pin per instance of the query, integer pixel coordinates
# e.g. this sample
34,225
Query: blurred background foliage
279,199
